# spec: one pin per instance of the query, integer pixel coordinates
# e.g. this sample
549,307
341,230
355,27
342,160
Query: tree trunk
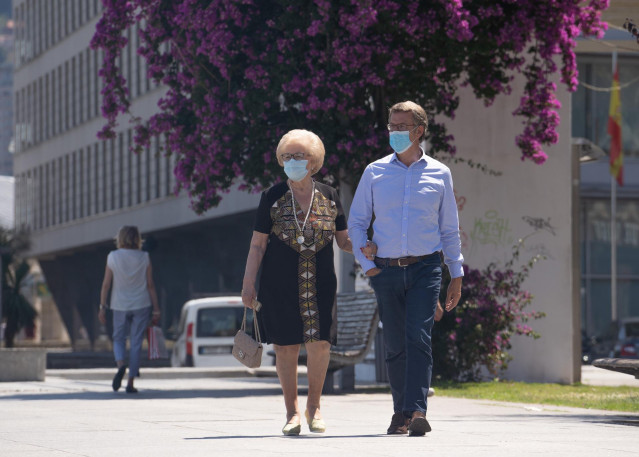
10,333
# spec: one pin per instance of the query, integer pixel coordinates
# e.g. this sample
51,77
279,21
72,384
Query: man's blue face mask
400,141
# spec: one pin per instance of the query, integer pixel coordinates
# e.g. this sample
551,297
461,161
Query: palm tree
16,309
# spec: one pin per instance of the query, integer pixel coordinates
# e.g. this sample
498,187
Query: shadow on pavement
299,437
593,418
145,394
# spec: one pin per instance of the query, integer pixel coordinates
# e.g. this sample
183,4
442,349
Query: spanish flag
614,130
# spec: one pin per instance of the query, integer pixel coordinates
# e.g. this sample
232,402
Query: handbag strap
256,328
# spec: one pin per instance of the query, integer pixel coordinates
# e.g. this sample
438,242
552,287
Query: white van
206,331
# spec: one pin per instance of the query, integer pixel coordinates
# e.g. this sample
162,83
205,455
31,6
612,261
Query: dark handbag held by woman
246,349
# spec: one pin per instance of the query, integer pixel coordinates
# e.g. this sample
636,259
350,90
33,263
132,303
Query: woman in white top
133,294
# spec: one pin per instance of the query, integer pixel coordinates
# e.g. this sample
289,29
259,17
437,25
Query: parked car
206,330
627,345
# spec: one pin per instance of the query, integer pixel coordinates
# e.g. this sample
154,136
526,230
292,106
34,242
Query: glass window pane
590,106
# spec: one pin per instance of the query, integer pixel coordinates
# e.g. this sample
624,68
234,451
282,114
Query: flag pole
613,248
613,228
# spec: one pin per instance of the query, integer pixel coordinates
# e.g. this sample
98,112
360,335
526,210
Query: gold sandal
292,429
315,425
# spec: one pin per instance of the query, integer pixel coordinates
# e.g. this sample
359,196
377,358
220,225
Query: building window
97,58
120,171
29,118
112,177
47,195
89,84
137,59
17,45
74,186
81,89
28,198
29,31
18,127
590,107
138,177
150,170
54,190
37,32
79,183
93,175
60,97
100,172
73,96
67,189
128,184
68,10
67,97
47,25
55,28
60,185
145,174
54,105
41,108
37,198
33,118
596,259
74,22
47,108
61,11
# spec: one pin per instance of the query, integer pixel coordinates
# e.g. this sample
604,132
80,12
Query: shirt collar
395,157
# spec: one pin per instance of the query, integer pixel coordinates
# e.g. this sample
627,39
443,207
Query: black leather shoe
117,379
418,426
398,425
131,390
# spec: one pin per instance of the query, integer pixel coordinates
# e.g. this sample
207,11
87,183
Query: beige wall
527,201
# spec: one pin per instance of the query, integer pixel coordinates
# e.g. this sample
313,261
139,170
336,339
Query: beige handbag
245,349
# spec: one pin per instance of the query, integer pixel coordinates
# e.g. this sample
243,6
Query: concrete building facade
6,95
73,191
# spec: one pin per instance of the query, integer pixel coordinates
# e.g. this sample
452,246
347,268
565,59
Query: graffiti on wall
461,201
491,229
539,223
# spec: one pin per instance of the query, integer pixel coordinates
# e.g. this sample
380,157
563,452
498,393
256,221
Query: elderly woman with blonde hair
128,268
292,241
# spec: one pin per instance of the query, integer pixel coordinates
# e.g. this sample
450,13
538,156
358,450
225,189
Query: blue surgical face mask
296,169
400,141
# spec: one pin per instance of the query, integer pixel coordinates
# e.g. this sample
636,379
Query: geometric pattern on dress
308,298
318,233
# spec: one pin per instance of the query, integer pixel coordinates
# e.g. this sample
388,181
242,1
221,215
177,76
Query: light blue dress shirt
415,211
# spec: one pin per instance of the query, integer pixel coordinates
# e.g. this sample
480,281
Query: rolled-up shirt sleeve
449,229
359,219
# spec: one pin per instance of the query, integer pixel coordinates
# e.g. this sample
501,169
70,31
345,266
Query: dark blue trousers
407,299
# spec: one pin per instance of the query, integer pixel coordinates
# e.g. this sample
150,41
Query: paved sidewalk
594,376
242,416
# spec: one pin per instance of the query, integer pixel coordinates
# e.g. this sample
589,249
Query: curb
169,373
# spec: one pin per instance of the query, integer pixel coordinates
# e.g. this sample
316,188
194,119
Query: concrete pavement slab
595,376
243,416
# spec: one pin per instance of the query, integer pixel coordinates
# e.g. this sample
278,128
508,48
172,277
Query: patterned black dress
297,284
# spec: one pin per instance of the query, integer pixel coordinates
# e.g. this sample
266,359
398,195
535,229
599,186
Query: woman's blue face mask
296,169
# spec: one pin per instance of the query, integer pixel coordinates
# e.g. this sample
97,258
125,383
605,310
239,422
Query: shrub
477,333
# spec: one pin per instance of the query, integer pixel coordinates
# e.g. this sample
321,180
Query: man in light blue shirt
411,197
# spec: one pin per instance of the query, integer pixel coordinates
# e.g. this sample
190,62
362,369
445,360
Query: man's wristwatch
103,307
